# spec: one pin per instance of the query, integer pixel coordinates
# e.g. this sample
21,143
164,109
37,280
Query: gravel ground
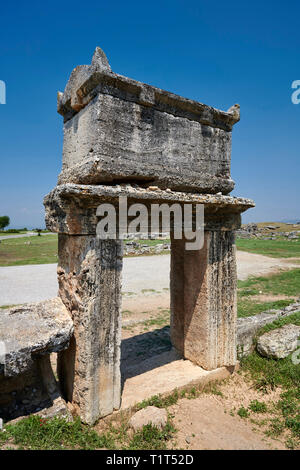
20,235
33,283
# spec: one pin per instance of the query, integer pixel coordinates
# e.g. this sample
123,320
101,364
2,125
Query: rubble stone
151,415
279,343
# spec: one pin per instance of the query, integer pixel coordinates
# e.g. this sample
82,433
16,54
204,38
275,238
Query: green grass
41,250
164,401
4,307
158,241
40,434
159,401
268,374
243,412
36,433
273,248
291,319
17,232
18,251
151,438
161,320
248,307
287,283
258,406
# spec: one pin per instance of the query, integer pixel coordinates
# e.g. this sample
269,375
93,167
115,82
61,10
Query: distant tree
39,231
4,221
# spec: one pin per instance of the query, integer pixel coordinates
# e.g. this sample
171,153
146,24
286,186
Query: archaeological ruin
126,138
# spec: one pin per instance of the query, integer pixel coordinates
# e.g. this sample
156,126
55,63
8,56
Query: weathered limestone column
89,275
203,300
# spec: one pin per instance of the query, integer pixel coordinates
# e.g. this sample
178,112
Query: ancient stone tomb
125,138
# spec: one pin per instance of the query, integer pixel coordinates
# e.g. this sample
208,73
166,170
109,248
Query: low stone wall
248,327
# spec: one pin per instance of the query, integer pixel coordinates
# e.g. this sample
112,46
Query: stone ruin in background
126,138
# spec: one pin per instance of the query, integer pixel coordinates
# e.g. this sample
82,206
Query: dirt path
211,421
250,264
143,296
142,277
204,424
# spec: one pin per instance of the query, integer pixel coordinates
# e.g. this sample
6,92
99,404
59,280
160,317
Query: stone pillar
203,300
89,275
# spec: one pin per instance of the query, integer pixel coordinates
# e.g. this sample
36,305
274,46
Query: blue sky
219,53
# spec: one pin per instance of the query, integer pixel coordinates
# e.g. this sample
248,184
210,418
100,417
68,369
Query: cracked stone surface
279,343
126,138
151,415
32,329
71,208
248,327
117,128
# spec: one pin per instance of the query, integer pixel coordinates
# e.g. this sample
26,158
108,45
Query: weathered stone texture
112,140
71,208
120,129
158,417
279,343
89,276
126,138
32,329
248,327
203,300
29,334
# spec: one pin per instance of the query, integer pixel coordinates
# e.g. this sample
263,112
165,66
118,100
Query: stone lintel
86,81
71,208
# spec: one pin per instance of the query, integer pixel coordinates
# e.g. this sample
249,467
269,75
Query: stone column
203,300
89,275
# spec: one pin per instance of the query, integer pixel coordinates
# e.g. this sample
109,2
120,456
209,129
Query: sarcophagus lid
120,130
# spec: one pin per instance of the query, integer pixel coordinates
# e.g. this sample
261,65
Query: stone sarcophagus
125,139
117,129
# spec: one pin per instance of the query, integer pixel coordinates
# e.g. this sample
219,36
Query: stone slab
32,329
165,373
71,208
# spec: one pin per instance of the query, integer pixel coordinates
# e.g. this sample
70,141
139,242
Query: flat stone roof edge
158,195
86,80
